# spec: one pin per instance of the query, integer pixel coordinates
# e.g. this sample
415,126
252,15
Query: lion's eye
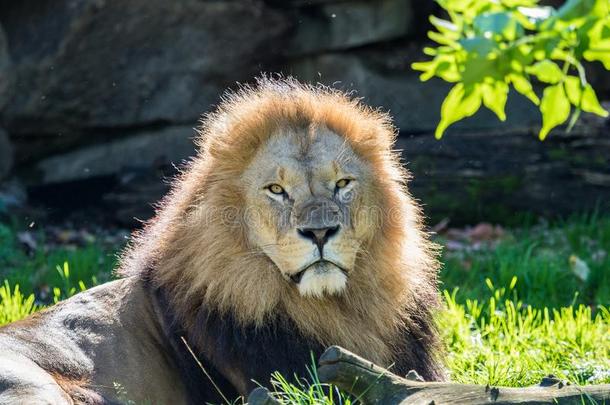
342,183
276,189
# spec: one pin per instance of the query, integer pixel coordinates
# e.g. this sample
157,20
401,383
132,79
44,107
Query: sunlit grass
502,341
14,305
305,391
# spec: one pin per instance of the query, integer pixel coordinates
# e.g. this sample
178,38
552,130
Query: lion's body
249,293
95,346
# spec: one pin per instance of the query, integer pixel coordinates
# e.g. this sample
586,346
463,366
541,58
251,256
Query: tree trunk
372,384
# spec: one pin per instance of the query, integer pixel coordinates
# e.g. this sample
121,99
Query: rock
136,152
98,64
498,176
384,79
6,154
12,195
5,73
133,199
343,25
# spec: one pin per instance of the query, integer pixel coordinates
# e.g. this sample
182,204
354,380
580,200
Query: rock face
343,25
6,154
499,176
88,64
5,71
103,95
121,155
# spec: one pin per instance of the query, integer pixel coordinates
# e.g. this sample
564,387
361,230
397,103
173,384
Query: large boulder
135,152
5,73
497,176
6,154
82,64
346,24
383,77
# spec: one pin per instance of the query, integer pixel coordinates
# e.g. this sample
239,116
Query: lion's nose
319,236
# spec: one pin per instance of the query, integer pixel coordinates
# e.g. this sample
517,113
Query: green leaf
573,89
494,97
523,86
517,3
440,38
448,71
478,45
499,24
601,55
598,37
555,109
519,57
461,102
546,71
442,66
601,8
575,9
428,68
476,69
445,27
536,15
493,23
590,102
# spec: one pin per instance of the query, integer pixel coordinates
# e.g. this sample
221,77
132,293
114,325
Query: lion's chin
320,280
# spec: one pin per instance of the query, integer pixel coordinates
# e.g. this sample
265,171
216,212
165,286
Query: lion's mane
196,247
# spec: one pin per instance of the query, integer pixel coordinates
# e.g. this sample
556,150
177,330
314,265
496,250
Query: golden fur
195,271
190,249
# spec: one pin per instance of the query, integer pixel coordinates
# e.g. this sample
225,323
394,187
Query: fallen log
371,384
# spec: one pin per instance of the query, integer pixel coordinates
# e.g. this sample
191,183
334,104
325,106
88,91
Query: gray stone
343,25
13,195
384,79
496,176
96,64
6,154
142,151
5,72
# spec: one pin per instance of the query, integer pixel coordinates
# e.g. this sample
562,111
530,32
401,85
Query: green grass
310,390
37,271
14,305
539,256
514,312
501,341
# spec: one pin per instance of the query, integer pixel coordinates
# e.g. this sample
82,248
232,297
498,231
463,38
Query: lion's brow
344,154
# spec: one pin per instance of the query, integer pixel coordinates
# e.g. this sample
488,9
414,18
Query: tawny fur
190,250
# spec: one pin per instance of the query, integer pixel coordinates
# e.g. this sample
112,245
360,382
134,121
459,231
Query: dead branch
375,385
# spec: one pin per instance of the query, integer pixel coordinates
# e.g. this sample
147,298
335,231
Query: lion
291,230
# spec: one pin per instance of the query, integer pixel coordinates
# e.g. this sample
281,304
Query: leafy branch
488,46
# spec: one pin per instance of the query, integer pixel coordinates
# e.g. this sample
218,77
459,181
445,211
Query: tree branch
375,385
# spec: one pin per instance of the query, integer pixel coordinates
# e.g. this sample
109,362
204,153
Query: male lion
290,231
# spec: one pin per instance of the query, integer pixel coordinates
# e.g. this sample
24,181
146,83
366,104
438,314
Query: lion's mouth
296,278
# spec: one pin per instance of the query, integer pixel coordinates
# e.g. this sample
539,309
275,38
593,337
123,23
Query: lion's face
305,193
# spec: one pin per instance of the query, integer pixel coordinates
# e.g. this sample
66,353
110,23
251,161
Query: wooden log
262,396
372,384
